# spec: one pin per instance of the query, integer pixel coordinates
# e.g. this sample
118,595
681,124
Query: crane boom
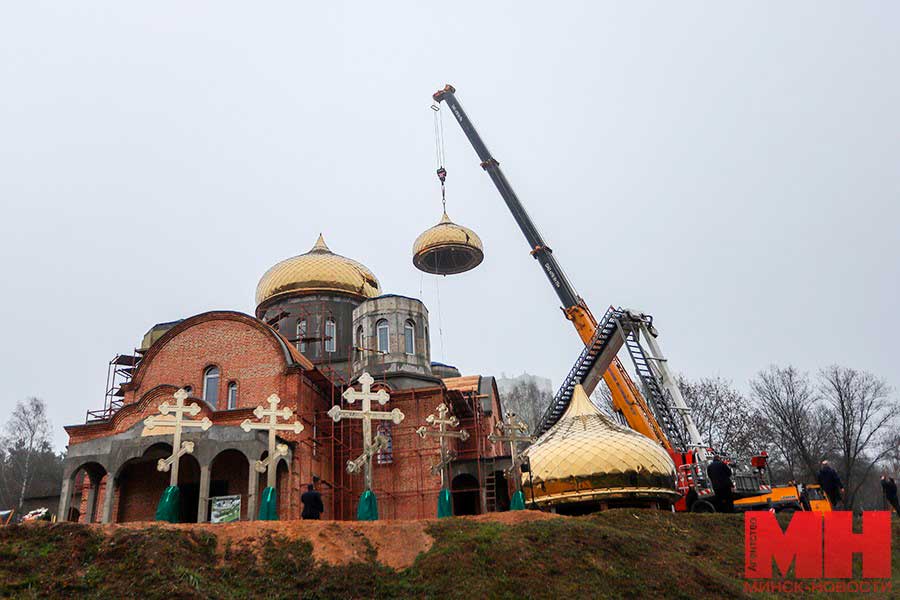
541,252
627,400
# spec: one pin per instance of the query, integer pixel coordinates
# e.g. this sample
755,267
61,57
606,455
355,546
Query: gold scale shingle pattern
319,270
587,456
447,248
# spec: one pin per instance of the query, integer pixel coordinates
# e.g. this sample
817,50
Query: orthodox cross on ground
367,415
443,423
177,421
514,431
271,425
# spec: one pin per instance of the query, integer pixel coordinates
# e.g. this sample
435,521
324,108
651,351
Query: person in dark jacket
889,487
312,503
720,476
831,484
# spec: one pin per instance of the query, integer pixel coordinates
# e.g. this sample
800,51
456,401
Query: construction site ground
528,554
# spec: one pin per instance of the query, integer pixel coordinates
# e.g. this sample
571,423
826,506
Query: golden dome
447,249
319,270
586,456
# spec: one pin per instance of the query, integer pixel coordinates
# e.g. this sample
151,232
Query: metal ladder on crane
660,399
590,366
666,398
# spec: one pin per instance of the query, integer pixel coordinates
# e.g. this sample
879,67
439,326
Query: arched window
232,395
409,337
382,332
330,335
385,456
301,335
211,385
360,342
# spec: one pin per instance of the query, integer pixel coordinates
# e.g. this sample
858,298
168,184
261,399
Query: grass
616,554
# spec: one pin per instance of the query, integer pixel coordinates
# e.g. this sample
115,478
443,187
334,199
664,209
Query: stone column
65,497
203,507
109,498
252,484
90,509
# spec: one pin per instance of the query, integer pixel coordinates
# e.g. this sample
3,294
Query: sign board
225,509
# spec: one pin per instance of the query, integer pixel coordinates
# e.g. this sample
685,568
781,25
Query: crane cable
442,177
439,151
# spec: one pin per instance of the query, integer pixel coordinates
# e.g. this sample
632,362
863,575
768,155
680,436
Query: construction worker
312,503
720,476
831,484
889,487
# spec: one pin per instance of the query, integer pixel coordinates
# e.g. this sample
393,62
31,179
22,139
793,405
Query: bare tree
7,496
602,399
865,418
525,397
27,434
796,421
723,415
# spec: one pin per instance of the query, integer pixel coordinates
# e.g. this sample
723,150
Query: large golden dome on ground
586,456
319,270
447,249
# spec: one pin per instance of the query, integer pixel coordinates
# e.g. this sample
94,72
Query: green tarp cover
368,507
518,501
169,506
268,506
445,504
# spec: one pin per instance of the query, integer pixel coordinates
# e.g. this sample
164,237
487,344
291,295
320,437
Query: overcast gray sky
731,169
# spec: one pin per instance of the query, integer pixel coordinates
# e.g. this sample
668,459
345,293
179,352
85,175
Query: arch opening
230,476
140,485
87,493
466,495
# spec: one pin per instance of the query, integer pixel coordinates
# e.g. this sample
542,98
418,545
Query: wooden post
252,492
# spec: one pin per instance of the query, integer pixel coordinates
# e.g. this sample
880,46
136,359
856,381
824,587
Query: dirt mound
617,554
395,544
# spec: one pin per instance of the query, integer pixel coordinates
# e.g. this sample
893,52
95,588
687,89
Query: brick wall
248,352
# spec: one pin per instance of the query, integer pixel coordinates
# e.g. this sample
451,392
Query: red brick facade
251,354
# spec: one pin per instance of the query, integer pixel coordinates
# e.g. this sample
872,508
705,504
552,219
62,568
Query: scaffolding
404,496
119,372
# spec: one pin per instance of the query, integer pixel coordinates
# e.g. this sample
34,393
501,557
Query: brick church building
320,322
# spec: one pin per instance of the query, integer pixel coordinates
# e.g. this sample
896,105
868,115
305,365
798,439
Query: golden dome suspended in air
587,457
447,249
319,270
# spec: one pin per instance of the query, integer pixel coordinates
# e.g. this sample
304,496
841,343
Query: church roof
319,270
469,383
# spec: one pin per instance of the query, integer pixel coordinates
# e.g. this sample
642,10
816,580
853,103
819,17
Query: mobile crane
666,418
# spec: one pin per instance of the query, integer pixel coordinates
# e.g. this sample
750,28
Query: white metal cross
514,431
367,415
177,421
442,422
271,425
